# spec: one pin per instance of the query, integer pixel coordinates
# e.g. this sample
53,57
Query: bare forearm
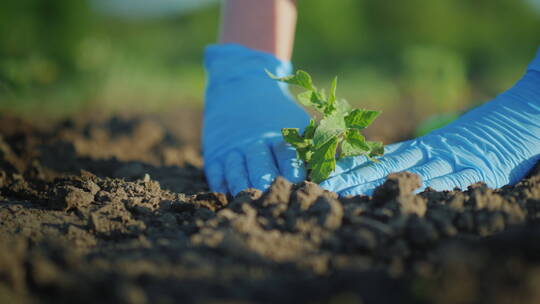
265,25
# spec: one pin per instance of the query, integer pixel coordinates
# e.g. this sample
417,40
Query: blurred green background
413,57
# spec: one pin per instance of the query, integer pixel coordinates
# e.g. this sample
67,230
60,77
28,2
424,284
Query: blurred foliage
429,56
38,40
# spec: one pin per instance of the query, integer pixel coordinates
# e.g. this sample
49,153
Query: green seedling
335,135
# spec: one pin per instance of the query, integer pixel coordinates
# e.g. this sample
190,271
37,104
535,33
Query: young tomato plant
335,135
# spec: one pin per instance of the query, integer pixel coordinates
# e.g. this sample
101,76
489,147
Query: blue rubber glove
244,113
496,143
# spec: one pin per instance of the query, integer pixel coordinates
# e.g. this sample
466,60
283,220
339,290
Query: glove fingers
397,147
372,171
348,164
364,189
461,179
432,169
236,172
261,165
290,167
216,177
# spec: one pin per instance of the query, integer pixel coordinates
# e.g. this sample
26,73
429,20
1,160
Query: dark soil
117,211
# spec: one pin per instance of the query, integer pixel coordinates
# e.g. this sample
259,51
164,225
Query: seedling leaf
293,137
331,107
309,132
301,79
323,161
342,106
360,119
329,127
339,127
376,147
354,144
312,99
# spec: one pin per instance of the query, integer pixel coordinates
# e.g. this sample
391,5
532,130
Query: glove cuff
535,64
230,61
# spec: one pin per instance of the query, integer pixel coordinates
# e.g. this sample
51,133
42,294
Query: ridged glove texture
243,115
496,143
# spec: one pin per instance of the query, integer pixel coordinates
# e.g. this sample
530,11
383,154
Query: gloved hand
243,116
496,143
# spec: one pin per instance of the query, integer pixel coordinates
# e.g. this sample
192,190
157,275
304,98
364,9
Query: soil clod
118,211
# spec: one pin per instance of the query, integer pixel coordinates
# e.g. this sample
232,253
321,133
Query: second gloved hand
496,143
243,116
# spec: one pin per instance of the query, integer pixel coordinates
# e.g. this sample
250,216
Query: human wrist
265,25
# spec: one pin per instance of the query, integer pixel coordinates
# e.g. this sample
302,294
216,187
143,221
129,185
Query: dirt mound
118,211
